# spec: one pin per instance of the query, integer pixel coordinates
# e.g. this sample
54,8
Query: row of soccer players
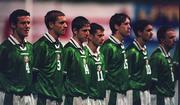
86,75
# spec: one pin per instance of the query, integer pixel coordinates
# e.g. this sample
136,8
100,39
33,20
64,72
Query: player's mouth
26,31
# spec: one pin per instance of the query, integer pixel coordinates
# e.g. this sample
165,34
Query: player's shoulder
157,54
6,44
29,43
69,47
132,48
108,44
40,42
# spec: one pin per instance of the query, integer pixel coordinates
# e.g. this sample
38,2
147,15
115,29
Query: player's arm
155,63
107,53
39,57
3,64
67,60
176,66
132,57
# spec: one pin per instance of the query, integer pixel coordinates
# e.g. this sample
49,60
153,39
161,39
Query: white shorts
121,99
144,96
24,100
167,100
2,94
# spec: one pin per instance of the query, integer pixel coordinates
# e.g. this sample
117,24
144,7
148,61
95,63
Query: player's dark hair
51,16
13,18
140,25
95,27
117,19
161,33
79,22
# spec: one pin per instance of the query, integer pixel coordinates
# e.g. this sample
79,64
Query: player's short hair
95,27
161,33
117,19
79,22
51,16
140,25
13,18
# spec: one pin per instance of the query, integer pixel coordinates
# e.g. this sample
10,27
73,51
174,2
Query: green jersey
96,66
162,71
176,61
15,66
47,60
176,53
116,64
75,64
139,68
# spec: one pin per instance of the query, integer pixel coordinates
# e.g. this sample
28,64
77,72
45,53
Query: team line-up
100,72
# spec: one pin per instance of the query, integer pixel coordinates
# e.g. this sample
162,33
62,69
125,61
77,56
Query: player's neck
53,34
18,38
92,47
77,40
119,37
165,48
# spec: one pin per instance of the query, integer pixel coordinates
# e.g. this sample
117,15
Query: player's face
83,33
147,33
60,25
125,28
169,40
98,38
23,26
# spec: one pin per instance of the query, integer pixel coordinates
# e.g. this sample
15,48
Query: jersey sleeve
107,53
39,51
3,81
1,58
176,61
154,63
132,57
67,59
39,56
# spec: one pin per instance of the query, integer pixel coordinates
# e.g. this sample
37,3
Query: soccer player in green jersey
47,60
115,59
16,62
95,61
75,63
138,63
163,78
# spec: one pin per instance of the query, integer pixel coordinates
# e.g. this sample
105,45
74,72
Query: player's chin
63,32
101,43
25,34
128,33
60,34
85,40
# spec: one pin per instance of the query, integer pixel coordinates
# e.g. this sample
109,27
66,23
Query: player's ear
139,33
13,26
162,41
51,24
116,26
75,31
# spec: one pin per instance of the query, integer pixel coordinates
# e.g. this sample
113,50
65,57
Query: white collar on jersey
75,43
165,53
115,40
14,41
141,48
92,53
49,37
